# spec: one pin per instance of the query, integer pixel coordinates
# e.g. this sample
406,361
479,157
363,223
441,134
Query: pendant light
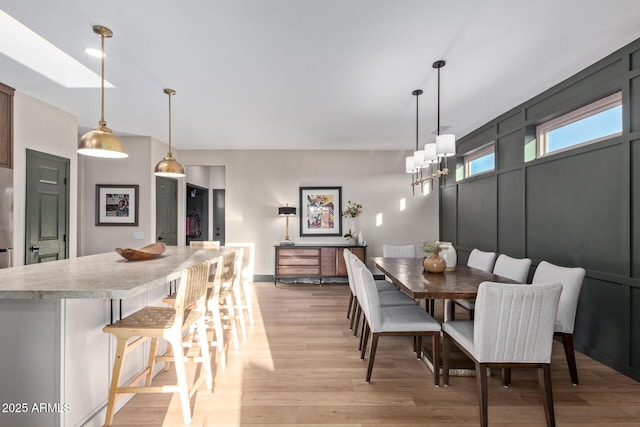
169,166
101,141
445,144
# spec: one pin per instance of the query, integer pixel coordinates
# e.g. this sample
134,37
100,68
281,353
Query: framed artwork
116,205
320,211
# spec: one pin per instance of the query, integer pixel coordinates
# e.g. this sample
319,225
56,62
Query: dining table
409,276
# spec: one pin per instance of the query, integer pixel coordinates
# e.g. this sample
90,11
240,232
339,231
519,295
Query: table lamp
286,211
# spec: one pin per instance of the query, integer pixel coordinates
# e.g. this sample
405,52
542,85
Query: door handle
159,238
34,248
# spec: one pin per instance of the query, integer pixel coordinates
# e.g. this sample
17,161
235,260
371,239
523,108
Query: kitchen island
56,361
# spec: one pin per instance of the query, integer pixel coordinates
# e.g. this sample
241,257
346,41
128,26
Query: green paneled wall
576,208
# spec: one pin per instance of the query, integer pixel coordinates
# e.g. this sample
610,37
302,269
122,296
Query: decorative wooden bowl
151,251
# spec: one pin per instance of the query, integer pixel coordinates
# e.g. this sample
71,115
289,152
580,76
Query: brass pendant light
169,166
101,141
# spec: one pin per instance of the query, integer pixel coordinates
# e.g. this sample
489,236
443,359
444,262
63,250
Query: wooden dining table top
408,274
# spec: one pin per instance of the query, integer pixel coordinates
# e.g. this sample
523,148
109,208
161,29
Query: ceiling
323,74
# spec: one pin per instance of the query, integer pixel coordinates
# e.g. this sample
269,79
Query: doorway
47,208
218,215
197,226
167,210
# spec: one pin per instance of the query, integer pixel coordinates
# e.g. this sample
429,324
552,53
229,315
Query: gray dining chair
399,251
405,320
571,279
482,261
388,297
513,328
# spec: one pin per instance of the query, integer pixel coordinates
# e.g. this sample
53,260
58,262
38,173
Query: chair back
347,262
215,282
512,268
205,244
191,292
514,323
399,251
248,258
571,279
481,260
368,295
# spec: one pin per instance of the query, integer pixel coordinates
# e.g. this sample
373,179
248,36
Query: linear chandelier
425,165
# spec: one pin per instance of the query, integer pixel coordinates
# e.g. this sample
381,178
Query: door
167,210
218,216
197,213
47,207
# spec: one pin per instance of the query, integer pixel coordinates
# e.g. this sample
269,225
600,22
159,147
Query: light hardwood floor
300,366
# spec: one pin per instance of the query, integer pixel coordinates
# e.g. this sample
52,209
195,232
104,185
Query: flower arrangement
353,210
433,247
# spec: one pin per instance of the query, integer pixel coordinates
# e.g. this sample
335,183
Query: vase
449,255
434,264
360,238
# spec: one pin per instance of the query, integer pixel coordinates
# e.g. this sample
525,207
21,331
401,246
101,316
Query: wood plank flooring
300,366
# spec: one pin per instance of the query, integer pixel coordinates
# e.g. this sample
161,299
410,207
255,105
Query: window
483,160
595,122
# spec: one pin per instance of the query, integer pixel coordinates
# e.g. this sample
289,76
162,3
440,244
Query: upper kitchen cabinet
6,126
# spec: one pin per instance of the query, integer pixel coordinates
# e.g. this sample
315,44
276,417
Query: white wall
42,127
257,182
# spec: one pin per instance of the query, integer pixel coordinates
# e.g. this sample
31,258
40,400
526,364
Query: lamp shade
430,155
446,145
418,159
169,167
410,164
287,211
101,142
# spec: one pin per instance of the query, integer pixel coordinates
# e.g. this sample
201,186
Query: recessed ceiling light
96,53
29,49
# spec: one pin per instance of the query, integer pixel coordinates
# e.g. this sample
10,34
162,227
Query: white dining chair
571,279
405,320
482,261
399,251
513,327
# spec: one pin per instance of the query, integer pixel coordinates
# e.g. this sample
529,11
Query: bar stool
169,324
246,275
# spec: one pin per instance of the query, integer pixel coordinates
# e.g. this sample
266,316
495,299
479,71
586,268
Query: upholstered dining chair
571,279
482,261
170,324
512,268
399,251
513,328
388,297
405,320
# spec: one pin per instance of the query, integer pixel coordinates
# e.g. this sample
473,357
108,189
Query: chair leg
181,375
248,300
481,383
350,304
239,309
364,325
153,349
354,309
365,339
219,336
204,352
452,309
567,343
544,376
355,326
118,362
232,320
471,314
435,340
506,377
372,355
418,344
446,343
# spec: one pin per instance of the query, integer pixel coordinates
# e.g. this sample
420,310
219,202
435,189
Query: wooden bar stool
169,324
246,275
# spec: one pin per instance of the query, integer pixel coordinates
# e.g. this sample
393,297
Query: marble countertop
101,276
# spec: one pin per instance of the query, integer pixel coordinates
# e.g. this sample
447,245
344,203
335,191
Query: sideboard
313,261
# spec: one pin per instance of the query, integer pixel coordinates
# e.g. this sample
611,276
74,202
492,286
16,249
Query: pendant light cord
169,124
438,125
102,122
417,102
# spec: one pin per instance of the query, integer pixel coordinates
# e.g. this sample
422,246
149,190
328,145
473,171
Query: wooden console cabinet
313,261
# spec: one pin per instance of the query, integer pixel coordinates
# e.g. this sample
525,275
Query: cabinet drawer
299,271
298,261
293,252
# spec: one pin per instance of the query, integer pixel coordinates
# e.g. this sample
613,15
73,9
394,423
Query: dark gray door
197,213
167,210
47,207
218,216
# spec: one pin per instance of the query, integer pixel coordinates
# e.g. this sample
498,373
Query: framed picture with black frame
320,211
117,205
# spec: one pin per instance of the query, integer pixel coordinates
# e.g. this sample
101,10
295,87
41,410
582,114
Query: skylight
29,49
